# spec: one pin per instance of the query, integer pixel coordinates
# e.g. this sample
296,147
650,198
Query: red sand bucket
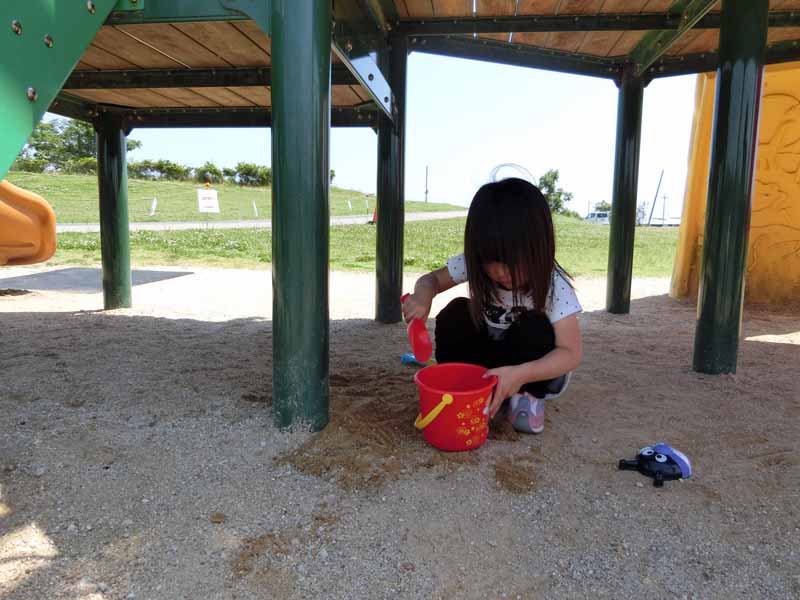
452,399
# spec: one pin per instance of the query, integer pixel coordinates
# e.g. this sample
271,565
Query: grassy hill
582,248
75,200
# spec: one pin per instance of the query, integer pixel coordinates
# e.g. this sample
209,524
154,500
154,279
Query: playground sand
138,458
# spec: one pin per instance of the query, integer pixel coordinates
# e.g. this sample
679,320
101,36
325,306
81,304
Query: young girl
520,320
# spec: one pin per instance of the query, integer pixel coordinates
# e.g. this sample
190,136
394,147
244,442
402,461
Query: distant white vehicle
600,218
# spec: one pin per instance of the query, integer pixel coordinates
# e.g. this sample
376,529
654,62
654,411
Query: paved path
254,224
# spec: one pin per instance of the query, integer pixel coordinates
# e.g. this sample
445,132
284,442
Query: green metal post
112,179
742,46
301,64
623,205
391,174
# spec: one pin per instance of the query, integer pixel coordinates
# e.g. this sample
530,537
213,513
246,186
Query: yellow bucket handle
422,422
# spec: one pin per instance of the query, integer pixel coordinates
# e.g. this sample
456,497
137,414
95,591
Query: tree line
70,146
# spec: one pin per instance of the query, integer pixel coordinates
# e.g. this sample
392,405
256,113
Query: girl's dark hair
509,222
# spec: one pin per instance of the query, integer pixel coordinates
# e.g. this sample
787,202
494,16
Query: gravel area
138,459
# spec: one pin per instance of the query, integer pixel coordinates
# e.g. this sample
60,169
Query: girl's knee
533,331
457,337
454,318
456,309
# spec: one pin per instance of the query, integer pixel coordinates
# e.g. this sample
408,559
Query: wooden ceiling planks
343,95
103,60
537,7
361,93
496,8
608,43
533,7
569,41
184,97
623,6
687,38
255,35
657,6
227,42
707,40
627,42
182,45
116,41
259,96
452,8
243,44
223,96
599,43
188,97
169,40
419,9
135,98
82,66
402,11
783,34
603,43
102,96
580,7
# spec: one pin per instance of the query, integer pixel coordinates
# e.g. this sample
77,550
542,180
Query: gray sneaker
526,413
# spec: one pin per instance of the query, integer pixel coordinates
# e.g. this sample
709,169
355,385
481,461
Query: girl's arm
418,304
565,357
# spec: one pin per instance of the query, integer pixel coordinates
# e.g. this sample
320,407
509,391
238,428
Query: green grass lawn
74,199
582,248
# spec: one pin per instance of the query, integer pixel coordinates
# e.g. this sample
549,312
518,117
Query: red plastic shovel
418,338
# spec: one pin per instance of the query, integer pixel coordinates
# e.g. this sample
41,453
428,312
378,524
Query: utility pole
664,210
426,183
655,198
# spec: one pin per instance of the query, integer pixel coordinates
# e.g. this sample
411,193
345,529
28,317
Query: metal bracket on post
656,43
357,36
366,71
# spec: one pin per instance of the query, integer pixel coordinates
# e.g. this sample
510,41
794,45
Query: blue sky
466,117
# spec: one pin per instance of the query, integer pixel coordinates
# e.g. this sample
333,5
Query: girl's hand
508,383
416,306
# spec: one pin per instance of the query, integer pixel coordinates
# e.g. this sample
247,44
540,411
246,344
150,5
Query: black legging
530,337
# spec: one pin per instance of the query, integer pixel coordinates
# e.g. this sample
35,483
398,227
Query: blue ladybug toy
661,462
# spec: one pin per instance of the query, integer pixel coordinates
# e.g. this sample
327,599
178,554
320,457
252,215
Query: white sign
207,201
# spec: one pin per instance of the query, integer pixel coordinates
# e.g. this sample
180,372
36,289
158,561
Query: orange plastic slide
27,227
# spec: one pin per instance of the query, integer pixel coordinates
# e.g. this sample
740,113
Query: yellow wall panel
773,263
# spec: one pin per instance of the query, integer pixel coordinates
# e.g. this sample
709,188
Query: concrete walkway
254,224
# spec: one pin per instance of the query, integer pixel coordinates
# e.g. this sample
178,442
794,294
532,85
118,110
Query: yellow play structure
773,262
27,227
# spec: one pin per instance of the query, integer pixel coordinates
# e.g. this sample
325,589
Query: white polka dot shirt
561,301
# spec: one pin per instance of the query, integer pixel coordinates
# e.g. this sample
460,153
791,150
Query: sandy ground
138,458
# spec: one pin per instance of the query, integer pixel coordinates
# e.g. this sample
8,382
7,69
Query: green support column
112,180
623,205
301,66
391,175
742,46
